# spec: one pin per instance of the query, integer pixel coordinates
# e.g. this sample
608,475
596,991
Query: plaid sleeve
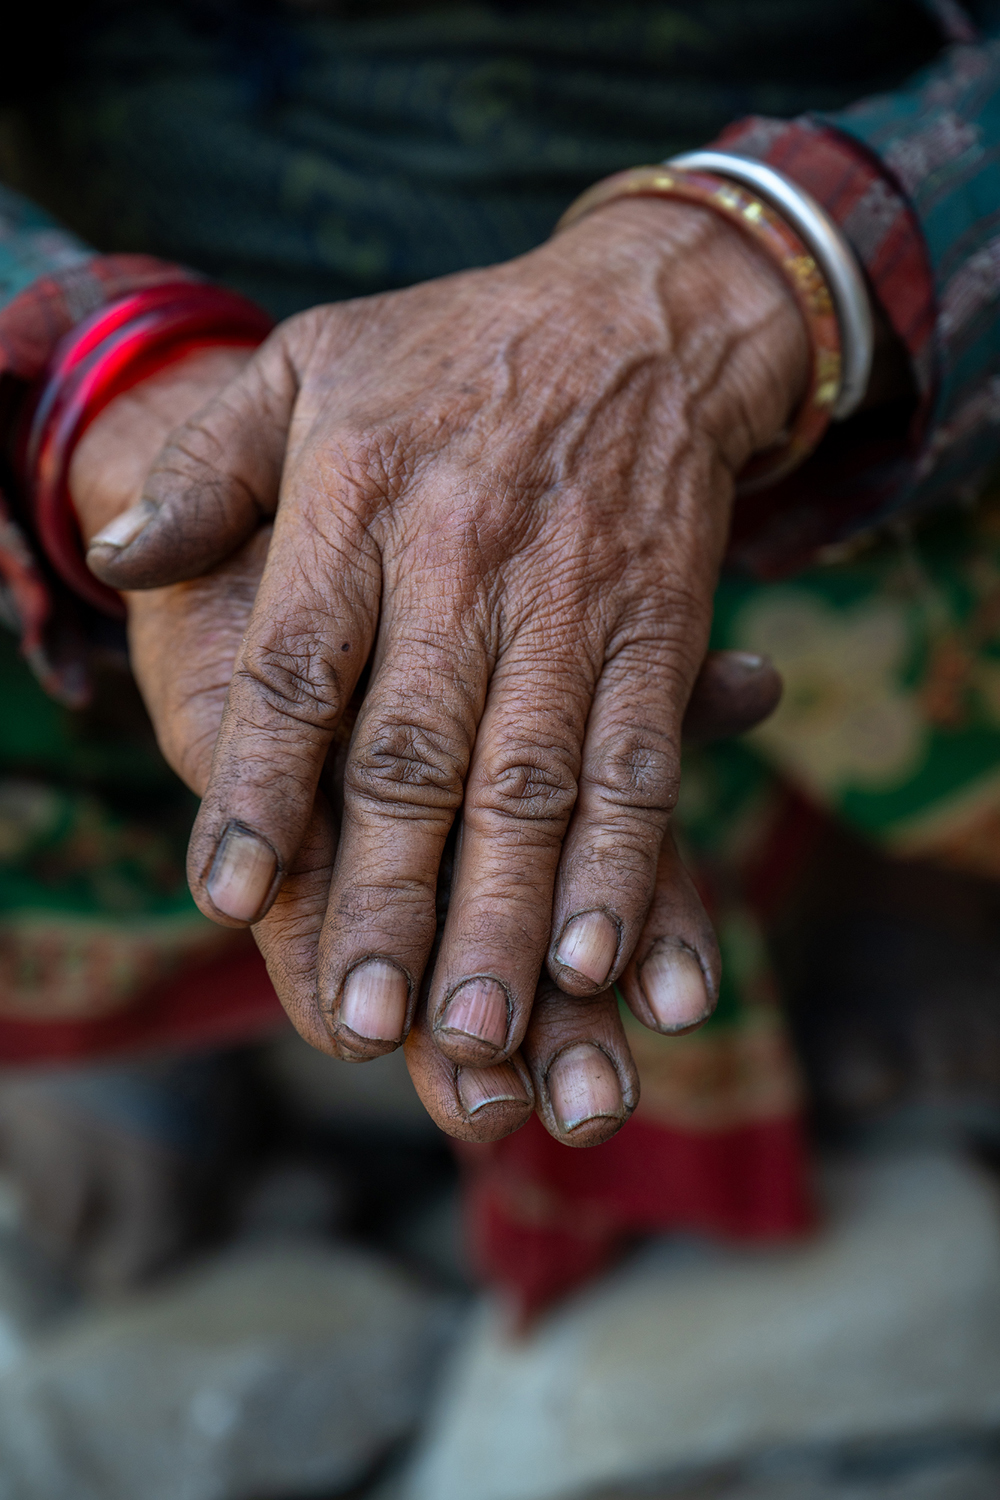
32,245
913,179
49,281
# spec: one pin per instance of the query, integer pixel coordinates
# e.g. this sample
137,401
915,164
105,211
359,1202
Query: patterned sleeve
32,245
913,178
49,280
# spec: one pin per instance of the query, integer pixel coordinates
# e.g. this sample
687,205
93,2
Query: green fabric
891,712
94,904
892,664
939,136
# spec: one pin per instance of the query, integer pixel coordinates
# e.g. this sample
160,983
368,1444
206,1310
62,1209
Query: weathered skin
510,489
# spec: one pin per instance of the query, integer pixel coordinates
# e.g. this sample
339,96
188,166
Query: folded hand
507,495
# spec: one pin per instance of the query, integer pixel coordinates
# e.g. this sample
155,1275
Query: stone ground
955,1467
864,1365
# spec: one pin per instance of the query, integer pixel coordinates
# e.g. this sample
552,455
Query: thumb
215,479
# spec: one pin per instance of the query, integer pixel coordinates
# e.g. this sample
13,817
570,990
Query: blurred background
244,1273
232,1268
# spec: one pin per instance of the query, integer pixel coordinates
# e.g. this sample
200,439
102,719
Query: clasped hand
499,503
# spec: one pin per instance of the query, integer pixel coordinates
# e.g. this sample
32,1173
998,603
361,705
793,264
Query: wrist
733,340
110,462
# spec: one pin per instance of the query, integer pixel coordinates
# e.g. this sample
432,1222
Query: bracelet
788,251
830,250
102,357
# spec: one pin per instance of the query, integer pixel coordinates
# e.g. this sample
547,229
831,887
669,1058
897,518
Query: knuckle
527,784
404,904
292,679
370,466
635,773
409,764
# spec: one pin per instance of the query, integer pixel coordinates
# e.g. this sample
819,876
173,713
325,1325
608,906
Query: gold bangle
792,257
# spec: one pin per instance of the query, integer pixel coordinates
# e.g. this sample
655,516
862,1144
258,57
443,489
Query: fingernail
672,981
583,1085
478,1008
126,527
478,1087
748,659
373,1002
242,874
588,945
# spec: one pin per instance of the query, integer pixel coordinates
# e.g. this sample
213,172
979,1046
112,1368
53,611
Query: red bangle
792,256
102,357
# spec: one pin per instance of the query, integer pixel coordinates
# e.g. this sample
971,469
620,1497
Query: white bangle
830,250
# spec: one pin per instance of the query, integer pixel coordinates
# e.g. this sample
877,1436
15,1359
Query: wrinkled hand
184,640
512,489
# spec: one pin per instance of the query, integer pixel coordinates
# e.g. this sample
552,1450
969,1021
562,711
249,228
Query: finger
519,798
734,691
183,643
309,635
110,464
672,983
403,785
586,1083
471,1104
215,479
288,936
628,787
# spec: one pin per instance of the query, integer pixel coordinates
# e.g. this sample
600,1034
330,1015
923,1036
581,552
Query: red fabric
542,1218
858,468
856,191
34,322
773,868
228,999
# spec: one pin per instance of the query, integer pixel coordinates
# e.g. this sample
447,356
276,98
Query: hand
184,640
648,352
